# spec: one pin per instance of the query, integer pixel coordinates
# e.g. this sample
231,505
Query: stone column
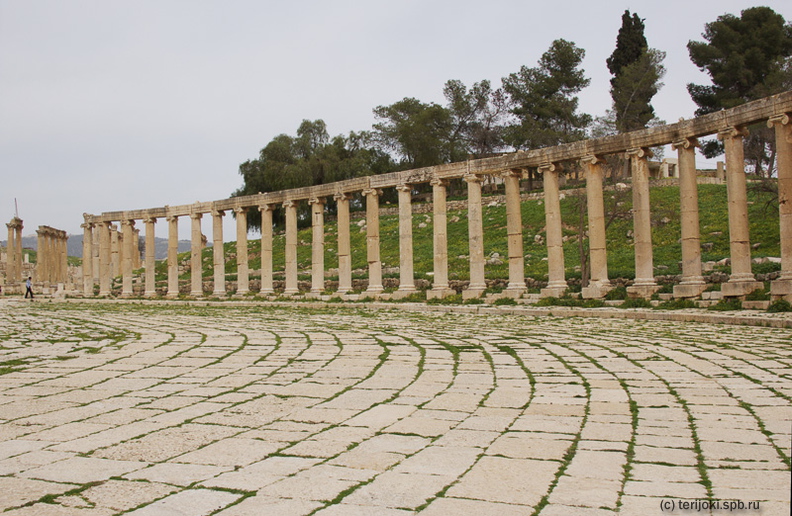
63,258
136,247
475,238
782,287
644,285
692,284
11,263
105,267
599,284
41,255
95,248
266,249
128,231
511,181
344,250
218,253
556,275
243,271
406,270
173,256
115,252
87,258
151,288
440,286
317,245
741,281
18,244
292,287
196,265
373,242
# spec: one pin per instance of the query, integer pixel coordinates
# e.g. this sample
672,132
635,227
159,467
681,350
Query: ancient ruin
729,126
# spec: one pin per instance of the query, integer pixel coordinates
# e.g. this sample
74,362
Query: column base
740,288
781,289
150,294
172,295
219,293
439,293
473,293
402,293
371,293
552,292
596,290
514,292
644,291
689,290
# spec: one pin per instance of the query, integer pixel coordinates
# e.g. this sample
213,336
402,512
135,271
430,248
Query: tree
543,99
637,71
476,116
747,58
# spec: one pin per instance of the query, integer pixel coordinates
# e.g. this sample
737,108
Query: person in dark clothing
29,287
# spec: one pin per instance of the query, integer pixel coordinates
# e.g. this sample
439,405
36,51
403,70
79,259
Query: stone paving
178,410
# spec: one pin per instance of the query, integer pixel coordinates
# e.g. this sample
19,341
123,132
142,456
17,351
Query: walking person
29,287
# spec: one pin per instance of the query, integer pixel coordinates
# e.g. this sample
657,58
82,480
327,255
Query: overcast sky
119,105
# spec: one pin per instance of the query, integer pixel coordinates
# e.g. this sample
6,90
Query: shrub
781,305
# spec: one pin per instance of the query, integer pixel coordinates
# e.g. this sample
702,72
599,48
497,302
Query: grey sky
116,105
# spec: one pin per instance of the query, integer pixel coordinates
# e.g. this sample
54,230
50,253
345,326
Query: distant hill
74,245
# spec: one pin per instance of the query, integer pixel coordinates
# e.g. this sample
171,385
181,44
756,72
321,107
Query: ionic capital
316,200
371,191
736,131
550,167
512,172
172,218
404,187
87,225
128,222
150,220
266,207
438,182
685,143
196,215
591,160
782,119
639,152
239,211
342,196
289,204
218,213
473,178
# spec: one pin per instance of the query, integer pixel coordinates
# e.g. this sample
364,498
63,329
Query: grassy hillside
665,236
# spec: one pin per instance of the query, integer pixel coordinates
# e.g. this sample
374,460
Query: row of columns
14,251
741,281
52,261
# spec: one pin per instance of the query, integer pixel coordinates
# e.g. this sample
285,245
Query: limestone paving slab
299,411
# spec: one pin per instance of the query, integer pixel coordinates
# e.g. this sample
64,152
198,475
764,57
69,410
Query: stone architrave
87,260
243,269
516,287
440,286
556,276
599,283
645,285
218,253
741,281
266,249
105,267
782,287
196,265
173,256
406,270
692,284
344,247
373,242
128,231
150,285
475,238
290,252
317,245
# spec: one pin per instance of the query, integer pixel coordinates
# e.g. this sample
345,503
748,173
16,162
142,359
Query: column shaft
243,270
41,255
150,288
266,249
291,248
87,259
514,233
644,285
373,242
599,284
782,287
692,284
556,276
173,256
344,248
104,258
440,286
127,228
741,281
475,238
11,265
317,245
218,253
196,265
115,252
406,269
